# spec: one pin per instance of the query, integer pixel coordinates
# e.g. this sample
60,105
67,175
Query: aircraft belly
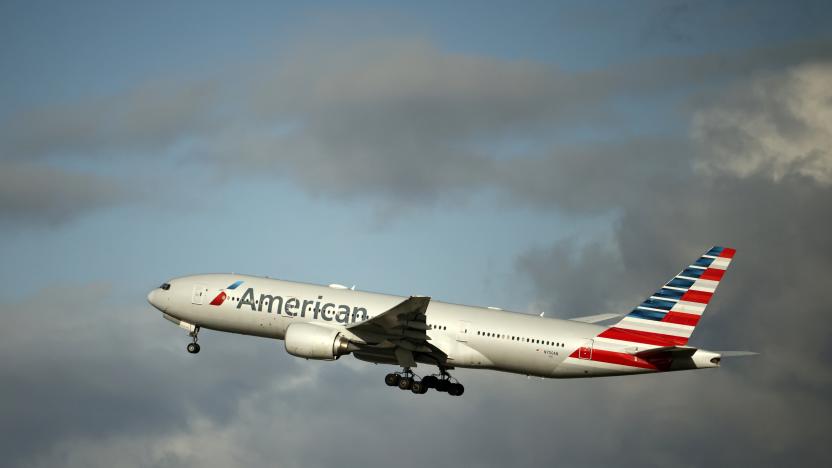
526,361
229,320
573,367
463,355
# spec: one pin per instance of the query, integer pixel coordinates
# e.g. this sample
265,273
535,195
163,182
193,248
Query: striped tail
669,316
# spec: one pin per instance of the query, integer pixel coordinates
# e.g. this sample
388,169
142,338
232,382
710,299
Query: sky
557,157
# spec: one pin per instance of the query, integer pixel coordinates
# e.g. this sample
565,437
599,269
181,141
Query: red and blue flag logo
222,295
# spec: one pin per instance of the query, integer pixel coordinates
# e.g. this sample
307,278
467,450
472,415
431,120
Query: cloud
575,278
145,119
83,364
776,125
406,121
242,401
398,120
577,179
41,195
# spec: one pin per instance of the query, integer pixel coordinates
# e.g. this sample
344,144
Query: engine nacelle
312,341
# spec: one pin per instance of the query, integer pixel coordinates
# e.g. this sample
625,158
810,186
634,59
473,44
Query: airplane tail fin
668,317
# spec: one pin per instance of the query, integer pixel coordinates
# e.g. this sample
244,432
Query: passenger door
463,330
198,294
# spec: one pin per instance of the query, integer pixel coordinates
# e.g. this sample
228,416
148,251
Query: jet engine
312,341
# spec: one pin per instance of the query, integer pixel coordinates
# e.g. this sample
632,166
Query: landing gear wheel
405,383
456,389
419,387
430,381
443,385
193,347
392,380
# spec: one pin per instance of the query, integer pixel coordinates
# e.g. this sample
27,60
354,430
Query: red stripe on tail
701,297
712,274
682,318
638,336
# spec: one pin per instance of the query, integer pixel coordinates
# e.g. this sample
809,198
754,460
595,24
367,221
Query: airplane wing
403,326
595,318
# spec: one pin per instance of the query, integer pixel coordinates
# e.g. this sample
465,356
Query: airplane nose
151,296
155,299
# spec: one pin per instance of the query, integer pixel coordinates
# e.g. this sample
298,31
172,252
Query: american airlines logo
217,301
318,309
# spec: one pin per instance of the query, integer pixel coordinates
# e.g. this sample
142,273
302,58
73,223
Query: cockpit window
165,286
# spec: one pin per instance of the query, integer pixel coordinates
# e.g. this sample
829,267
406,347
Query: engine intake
312,341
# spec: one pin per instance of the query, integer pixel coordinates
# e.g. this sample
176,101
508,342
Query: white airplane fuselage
468,337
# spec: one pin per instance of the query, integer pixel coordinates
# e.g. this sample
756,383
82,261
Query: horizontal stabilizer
595,318
667,352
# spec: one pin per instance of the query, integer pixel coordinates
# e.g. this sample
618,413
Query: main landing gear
193,347
406,380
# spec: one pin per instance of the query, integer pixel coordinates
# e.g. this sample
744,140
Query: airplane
326,322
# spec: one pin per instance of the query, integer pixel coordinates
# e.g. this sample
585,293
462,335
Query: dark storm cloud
577,179
777,214
567,276
37,195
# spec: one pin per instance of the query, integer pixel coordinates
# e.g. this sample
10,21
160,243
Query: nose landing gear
193,347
